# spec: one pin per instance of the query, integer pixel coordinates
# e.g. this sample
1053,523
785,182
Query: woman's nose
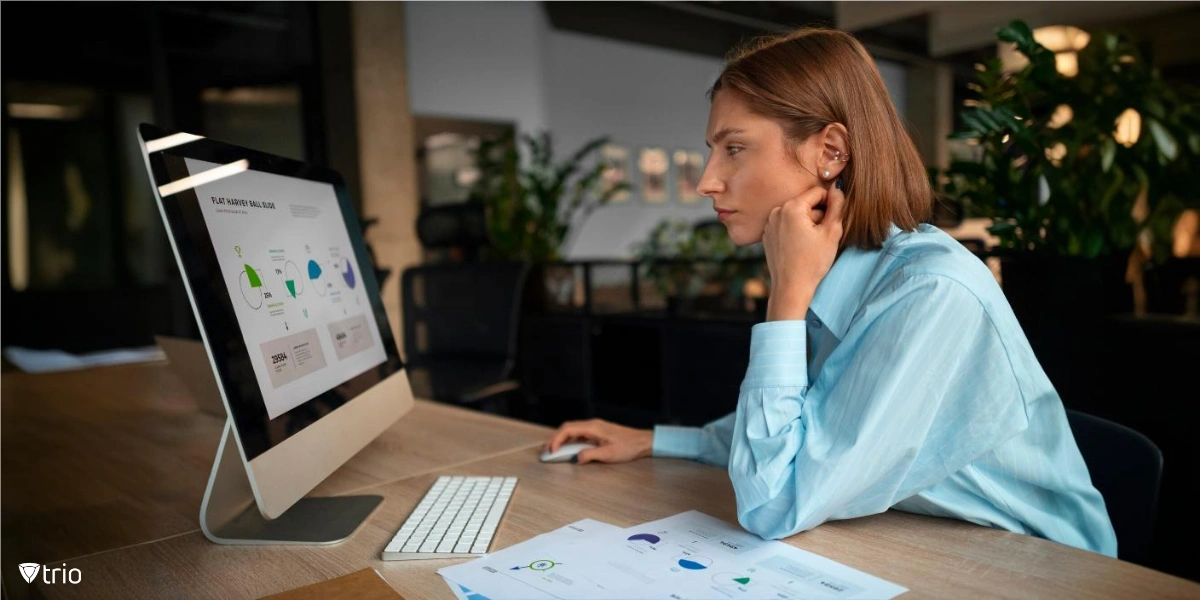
709,183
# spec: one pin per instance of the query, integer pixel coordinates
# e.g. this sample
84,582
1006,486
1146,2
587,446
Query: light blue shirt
920,392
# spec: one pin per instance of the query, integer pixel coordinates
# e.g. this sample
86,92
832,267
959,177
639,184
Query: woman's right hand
616,443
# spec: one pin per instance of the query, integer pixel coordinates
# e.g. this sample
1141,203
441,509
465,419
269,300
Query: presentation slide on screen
293,280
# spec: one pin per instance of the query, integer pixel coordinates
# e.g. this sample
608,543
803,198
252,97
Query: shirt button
816,324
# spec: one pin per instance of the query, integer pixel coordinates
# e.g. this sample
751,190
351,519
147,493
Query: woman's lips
724,214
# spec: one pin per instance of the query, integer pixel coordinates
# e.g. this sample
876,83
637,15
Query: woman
890,372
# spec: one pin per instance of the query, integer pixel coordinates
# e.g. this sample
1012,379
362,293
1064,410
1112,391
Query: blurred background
526,172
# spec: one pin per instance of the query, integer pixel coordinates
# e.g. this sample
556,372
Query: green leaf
1093,243
1155,108
1107,154
1142,178
1017,32
1162,138
972,117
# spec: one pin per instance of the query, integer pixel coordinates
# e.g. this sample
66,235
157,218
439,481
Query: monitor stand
229,514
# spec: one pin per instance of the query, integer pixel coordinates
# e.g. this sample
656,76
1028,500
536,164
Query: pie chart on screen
649,538
348,275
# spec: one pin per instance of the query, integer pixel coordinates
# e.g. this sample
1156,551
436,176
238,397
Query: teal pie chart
695,563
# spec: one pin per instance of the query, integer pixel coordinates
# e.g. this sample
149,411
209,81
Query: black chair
461,227
460,331
1126,468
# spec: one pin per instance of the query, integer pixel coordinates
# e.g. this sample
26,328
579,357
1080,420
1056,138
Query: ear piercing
838,156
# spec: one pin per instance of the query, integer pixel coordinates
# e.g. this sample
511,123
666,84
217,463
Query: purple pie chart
645,537
348,275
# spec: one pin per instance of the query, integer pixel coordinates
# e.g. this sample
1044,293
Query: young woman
891,372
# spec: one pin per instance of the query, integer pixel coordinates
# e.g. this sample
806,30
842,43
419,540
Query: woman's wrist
646,447
788,305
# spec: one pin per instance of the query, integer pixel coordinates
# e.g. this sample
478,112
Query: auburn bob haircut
812,77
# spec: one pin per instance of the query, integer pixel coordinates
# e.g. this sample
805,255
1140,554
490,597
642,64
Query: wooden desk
931,557
95,460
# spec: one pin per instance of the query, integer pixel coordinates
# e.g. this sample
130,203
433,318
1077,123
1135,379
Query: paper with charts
688,556
484,579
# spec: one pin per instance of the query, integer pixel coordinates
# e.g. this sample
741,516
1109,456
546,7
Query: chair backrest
462,310
1126,467
462,224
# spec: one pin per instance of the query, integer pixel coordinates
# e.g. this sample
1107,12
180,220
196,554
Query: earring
825,174
837,155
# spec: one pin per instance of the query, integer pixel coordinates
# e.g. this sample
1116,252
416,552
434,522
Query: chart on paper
690,555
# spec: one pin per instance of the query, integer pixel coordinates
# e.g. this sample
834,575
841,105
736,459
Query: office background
398,97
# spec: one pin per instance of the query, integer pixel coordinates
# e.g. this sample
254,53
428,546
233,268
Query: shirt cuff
671,441
778,355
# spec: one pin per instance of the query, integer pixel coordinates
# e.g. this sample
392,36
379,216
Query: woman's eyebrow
720,135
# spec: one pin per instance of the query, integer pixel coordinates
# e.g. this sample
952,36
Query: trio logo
29,571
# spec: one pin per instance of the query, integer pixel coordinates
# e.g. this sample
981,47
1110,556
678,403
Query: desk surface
95,460
139,516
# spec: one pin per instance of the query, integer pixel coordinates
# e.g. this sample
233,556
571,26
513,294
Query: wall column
385,144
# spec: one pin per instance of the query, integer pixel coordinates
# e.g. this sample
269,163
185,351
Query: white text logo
56,575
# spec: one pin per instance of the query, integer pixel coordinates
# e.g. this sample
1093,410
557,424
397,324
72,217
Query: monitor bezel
256,432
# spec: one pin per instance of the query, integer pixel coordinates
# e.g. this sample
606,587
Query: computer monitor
288,306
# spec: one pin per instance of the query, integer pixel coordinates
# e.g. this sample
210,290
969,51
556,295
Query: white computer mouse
565,452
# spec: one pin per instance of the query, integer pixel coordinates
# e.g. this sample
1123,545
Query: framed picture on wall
616,171
653,167
688,168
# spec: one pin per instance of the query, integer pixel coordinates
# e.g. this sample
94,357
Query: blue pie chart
645,537
695,563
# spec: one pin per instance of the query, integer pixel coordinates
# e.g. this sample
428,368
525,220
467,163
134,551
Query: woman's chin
739,236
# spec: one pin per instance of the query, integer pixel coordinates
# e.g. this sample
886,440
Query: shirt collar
840,293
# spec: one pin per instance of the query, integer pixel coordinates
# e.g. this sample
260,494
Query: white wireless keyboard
457,518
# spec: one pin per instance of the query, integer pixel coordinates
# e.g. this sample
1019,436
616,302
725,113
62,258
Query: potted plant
532,201
1083,176
696,267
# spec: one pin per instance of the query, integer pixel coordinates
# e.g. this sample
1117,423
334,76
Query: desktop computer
297,340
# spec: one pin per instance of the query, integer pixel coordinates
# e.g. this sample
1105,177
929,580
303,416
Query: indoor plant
532,201
686,263
1085,175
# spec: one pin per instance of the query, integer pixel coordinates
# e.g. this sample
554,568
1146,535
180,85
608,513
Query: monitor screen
289,268
283,287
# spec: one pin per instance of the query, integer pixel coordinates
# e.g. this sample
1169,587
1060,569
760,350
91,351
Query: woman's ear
834,154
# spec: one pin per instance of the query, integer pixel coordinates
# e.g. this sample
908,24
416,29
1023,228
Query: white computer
297,338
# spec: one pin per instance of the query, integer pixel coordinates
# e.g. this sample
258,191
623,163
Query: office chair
454,226
460,331
1126,468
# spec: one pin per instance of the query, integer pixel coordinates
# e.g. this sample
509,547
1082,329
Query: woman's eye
731,150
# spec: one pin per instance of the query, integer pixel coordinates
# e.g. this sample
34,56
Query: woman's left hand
801,242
